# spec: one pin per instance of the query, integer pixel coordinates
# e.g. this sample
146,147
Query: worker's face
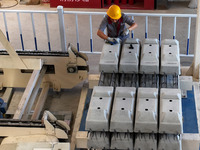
114,20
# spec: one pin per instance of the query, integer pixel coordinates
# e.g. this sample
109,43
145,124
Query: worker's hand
111,41
118,40
125,32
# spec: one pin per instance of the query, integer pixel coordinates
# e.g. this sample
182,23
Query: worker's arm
109,40
130,22
127,30
133,26
102,35
102,27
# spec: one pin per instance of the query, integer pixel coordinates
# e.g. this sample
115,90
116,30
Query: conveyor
32,70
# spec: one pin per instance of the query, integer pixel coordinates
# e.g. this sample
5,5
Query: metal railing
18,12
64,35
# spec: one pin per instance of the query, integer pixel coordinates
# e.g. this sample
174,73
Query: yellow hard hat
114,12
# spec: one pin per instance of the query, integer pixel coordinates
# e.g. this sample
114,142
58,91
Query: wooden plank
11,51
1,85
93,80
35,64
10,63
7,95
17,131
41,101
190,70
7,98
34,92
196,86
27,93
17,95
197,45
81,139
79,114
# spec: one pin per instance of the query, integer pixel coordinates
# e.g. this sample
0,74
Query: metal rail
64,36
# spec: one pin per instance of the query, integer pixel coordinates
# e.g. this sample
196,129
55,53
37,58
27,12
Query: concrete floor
68,99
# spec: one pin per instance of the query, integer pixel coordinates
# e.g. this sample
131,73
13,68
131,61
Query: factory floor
68,100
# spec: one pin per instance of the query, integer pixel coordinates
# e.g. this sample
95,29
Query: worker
115,23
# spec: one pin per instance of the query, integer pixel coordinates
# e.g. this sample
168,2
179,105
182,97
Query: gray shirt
115,29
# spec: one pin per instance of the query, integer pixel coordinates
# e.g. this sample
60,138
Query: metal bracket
72,65
59,133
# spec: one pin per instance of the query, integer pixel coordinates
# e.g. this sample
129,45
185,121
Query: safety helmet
114,12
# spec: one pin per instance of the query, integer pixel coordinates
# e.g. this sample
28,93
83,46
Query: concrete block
193,4
122,141
109,58
146,110
98,140
132,41
170,58
149,63
129,60
145,142
123,110
169,142
100,108
170,111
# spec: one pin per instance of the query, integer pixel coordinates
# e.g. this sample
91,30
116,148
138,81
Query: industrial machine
23,135
136,102
32,70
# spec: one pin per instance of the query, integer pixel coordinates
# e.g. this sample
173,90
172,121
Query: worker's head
114,12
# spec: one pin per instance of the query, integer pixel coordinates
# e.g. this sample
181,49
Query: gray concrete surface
146,110
123,110
99,111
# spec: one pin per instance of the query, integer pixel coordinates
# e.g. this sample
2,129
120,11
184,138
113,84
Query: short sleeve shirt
114,29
